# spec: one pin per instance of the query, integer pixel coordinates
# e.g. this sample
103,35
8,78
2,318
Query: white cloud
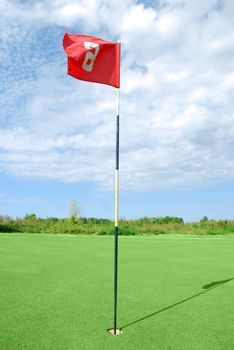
176,97
139,19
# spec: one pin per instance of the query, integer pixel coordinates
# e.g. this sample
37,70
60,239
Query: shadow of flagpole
207,287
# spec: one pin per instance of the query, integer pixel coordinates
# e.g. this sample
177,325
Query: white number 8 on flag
90,56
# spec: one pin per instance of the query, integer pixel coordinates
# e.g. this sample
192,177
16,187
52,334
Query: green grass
175,292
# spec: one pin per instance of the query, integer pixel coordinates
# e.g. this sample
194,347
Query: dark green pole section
116,227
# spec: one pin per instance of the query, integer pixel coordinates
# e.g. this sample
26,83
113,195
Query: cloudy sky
57,134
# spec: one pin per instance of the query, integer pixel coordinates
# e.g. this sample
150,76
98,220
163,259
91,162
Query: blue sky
57,134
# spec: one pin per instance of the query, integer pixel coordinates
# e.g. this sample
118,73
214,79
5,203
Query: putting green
175,292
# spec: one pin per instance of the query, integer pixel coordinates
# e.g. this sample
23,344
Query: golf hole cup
112,331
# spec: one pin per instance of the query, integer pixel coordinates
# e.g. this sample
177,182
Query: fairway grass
175,292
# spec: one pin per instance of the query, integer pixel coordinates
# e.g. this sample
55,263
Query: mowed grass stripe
56,292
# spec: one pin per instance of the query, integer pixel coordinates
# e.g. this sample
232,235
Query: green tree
30,217
204,220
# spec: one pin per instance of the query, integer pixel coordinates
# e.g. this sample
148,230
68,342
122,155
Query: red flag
92,59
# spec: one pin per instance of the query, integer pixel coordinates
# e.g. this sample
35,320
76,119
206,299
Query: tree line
142,226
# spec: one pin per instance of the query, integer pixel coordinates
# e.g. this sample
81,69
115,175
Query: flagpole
115,330
116,214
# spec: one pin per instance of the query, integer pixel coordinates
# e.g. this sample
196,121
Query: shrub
168,220
127,231
9,228
204,220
